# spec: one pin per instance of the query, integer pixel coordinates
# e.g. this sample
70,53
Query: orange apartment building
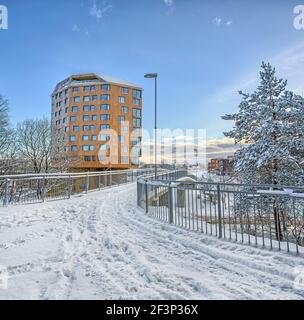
99,116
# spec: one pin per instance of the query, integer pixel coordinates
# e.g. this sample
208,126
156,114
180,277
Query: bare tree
41,146
4,124
7,150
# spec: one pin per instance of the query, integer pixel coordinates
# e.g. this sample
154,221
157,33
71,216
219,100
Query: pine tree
269,126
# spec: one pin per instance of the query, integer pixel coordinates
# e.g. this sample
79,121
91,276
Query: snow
100,246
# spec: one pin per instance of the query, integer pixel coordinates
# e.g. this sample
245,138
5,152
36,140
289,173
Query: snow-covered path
100,246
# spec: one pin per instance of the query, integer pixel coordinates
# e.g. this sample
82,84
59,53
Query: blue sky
203,50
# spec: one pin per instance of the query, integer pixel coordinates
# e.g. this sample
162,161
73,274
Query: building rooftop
92,77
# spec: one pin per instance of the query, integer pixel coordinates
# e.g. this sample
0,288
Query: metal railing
261,215
32,188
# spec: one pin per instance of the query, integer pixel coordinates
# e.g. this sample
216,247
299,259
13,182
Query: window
87,88
65,148
85,128
136,122
74,109
76,128
66,110
94,117
135,141
85,138
66,101
124,109
105,87
121,118
136,94
105,107
120,138
121,99
85,148
105,127
92,127
87,158
86,118
125,159
92,148
64,120
86,99
136,102
137,113
88,108
72,119
124,149
66,91
59,113
105,97
104,117
93,88
76,99
104,147
104,137
94,98
66,129
56,114
72,138
125,90
94,137
74,148
125,129
101,158
75,89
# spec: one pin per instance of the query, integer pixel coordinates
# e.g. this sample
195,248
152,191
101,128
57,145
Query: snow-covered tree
269,126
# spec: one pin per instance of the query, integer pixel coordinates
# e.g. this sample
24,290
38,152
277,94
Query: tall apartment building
100,119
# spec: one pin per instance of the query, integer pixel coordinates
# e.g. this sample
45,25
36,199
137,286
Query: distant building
221,166
88,108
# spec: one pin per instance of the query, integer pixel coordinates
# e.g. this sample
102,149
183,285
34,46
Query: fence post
87,183
43,189
110,179
170,204
5,199
69,187
147,197
99,182
219,211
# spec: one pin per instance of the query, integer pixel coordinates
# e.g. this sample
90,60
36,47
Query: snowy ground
99,246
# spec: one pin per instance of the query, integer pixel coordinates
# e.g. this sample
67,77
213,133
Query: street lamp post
154,76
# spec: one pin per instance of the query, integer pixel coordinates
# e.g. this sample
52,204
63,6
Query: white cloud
75,28
99,12
217,21
169,3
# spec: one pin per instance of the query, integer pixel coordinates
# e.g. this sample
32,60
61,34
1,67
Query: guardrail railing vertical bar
147,197
170,189
219,211
5,198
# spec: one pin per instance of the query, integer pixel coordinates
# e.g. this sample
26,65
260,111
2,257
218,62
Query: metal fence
261,215
32,188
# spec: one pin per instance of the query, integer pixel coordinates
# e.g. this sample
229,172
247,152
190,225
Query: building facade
100,121
221,166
